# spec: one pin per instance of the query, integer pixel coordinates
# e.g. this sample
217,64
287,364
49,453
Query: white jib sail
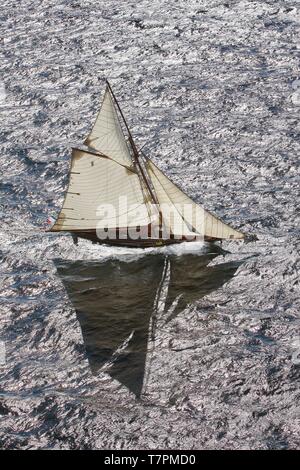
107,135
101,193
194,216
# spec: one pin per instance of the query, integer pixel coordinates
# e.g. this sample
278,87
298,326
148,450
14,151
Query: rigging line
118,119
194,202
130,169
102,155
161,219
134,148
186,223
123,117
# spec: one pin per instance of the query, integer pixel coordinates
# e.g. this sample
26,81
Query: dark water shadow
115,302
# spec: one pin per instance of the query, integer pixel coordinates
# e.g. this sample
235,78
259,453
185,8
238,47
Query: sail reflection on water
121,305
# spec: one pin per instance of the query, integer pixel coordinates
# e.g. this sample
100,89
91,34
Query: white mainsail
107,135
194,216
96,182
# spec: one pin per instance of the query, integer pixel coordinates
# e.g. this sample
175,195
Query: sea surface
194,346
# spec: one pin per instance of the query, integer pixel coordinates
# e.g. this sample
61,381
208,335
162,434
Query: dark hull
139,243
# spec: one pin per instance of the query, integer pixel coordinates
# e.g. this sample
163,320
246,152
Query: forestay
107,135
193,215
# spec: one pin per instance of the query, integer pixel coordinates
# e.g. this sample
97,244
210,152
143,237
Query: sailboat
117,196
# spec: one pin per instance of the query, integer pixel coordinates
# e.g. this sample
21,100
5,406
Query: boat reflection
121,304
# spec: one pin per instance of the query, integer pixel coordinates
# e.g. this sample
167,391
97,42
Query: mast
134,148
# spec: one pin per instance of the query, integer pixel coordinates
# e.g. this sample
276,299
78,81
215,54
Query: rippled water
185,347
